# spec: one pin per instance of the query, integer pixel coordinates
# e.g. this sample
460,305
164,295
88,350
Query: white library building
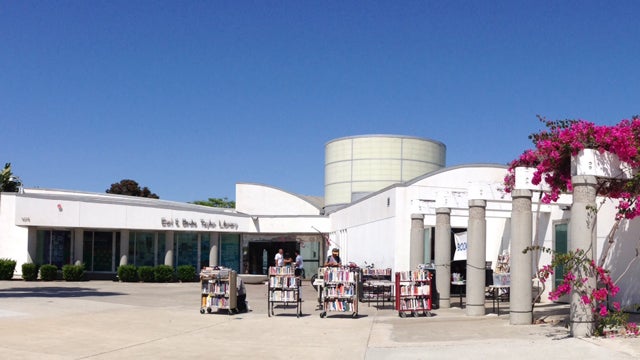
384,198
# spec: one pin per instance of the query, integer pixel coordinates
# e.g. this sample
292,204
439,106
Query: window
53,247
98,250
142,248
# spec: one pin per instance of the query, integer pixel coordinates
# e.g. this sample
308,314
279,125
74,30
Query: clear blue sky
190,97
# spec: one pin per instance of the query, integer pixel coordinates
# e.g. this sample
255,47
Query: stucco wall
259,199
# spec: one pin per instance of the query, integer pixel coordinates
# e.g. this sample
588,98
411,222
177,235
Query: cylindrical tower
359,165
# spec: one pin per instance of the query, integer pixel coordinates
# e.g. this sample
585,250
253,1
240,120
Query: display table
459,284
495,290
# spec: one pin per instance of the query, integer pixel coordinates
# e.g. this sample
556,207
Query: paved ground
111,320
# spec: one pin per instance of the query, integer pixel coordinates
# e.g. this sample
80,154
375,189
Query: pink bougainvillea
555,147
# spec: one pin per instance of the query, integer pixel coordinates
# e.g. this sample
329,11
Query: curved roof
421,178
386,136
254,198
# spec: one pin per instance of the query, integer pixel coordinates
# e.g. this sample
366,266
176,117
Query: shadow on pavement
53,291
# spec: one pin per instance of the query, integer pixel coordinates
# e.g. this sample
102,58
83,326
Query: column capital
477,203
443,210
417,216
519,193
585,180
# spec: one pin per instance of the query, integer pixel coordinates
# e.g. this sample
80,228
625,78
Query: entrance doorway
262,254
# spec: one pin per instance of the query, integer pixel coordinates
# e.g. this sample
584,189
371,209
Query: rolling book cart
284,288
218,290
340,290
413,293
377,285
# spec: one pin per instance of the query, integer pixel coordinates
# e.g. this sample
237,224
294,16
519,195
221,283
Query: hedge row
126,273
47,272
160,273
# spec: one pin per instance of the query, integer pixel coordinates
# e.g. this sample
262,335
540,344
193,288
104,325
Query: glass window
186,249
102,251
230,251
141,248
53,247
98,250
162,248
205,249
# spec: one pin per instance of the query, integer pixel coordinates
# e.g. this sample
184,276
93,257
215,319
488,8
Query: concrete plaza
112,320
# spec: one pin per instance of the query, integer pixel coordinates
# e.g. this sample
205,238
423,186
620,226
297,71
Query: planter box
523,180
607,165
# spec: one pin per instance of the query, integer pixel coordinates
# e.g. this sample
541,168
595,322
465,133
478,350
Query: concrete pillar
32,245
582,235
78,246
213,249
476,257
442,256
416,242
124,247
520,307
168,255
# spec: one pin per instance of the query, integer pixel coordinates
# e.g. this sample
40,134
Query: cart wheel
414,313
323,314
402,314
354,315
209,310
201,311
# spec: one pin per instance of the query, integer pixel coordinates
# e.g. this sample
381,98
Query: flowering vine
578,270
551,158
564,139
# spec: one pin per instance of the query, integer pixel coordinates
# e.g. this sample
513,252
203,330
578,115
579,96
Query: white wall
13,239
259,199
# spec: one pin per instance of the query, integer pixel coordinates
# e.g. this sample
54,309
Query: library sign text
203,224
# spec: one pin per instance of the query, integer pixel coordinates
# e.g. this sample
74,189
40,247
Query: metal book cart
413,293
284,289
218,290
340,290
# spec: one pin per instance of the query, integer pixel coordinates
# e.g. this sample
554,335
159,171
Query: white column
476,257
168,255
213,250
78,246
416,241
520,306
124,247
582,235
442,256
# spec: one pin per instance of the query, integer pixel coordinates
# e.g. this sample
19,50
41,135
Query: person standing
334,258
299,265
279,258
288,261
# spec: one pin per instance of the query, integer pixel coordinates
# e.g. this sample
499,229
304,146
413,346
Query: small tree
217,202
8,182
131,188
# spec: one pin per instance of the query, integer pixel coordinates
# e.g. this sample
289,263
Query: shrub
163,273
48,272
127,273
146,273
73,272
7,267
186,273
30,272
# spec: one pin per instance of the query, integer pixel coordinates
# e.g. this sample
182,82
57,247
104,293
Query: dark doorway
262,254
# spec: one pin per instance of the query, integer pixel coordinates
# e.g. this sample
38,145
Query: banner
461,246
